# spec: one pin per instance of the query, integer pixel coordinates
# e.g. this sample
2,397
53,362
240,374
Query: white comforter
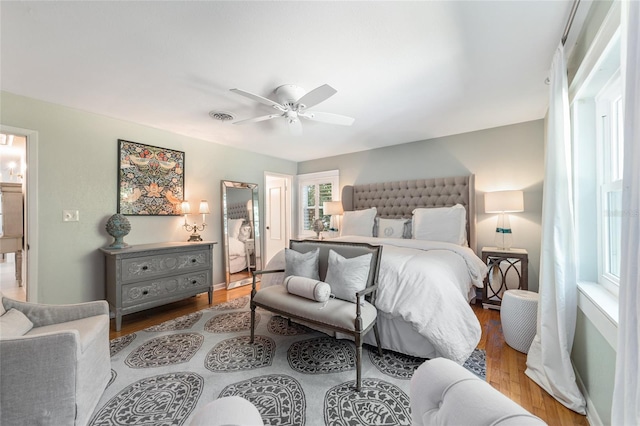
426,283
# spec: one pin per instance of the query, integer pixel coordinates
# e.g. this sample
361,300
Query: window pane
307,219
309,194
617,149
613,221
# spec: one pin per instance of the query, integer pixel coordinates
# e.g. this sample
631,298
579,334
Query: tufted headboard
398,199
238,211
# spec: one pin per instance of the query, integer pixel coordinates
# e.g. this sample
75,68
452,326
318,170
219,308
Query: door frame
30,256
287,210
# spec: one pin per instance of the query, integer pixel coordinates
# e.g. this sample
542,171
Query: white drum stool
518,314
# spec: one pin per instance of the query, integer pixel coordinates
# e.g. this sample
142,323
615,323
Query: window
597,121
610,150
313,190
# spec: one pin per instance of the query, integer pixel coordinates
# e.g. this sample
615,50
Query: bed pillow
359,222
14,324
302,264
446,224
308,288
233,227
390,228
347,276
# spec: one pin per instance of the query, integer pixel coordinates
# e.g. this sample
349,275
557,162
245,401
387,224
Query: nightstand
508,270
249,247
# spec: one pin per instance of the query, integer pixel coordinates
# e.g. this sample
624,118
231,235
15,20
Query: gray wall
502,158
77,170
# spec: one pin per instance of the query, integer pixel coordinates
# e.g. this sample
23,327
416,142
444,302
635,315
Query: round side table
518,314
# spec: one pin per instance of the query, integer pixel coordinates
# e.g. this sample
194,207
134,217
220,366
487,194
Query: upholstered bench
351,270
443,392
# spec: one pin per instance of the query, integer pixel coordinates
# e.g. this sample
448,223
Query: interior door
277,214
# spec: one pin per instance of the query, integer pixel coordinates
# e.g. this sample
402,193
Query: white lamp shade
504,202
332,207
185,207
204,207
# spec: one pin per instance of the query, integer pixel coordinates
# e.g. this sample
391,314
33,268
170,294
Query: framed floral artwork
150,180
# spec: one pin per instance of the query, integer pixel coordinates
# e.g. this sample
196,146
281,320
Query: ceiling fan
293,103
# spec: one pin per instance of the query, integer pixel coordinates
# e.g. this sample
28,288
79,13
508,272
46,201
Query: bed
239,231
425,286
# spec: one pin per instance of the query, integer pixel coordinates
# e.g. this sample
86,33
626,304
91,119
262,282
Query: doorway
277,213
12,217
18,240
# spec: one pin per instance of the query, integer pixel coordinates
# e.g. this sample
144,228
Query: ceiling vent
221,115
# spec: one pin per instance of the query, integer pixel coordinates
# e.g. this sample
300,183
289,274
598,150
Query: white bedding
237,255
426,284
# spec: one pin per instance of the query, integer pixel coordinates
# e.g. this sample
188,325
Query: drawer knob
145,292
194,282
145,267
193,261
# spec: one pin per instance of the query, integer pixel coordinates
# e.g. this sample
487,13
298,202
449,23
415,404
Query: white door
277,214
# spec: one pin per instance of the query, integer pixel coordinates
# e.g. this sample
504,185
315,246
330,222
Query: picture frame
150,180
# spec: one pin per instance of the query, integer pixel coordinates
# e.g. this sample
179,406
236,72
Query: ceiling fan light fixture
221,116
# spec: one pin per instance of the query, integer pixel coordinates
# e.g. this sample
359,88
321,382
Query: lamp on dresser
504,202
194,229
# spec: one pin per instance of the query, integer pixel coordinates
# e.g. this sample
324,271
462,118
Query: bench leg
253,322
377,336
358,362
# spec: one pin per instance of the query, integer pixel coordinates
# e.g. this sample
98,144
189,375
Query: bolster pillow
308,287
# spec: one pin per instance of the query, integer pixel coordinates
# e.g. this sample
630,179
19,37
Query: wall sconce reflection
12,170
194,229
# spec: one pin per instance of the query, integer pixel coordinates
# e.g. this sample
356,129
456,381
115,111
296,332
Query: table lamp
504,202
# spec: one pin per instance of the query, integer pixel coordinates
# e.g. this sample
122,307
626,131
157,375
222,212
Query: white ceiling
406,71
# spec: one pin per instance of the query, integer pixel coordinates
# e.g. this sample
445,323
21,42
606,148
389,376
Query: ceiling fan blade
259,98
326,117
317,95
257,119
295,127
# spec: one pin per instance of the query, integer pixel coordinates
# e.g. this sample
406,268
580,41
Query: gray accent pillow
302,264
347,276
14,324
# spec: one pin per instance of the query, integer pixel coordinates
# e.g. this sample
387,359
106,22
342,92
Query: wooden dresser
12,223
149,275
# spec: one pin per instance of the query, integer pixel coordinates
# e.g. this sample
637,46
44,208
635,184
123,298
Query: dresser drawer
145,267
165,287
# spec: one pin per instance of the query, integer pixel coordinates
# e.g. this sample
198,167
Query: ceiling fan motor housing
288,94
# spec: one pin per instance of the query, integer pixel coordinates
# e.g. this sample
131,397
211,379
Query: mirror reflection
240,215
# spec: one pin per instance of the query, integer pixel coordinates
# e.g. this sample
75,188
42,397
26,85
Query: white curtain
548,361
626,394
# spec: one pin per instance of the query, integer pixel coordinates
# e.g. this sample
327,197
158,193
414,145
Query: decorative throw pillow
347,276
446,224
308,288
390,228
359,222
245,232
302,264
14,324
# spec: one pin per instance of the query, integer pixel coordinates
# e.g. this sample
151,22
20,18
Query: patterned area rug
292,374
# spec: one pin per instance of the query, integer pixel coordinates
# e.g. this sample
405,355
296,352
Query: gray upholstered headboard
398,199
238,211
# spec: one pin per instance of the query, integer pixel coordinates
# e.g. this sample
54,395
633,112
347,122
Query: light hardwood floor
505,366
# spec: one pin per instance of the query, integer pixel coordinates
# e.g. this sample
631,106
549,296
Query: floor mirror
241,232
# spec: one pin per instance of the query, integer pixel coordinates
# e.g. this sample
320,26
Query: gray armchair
55,371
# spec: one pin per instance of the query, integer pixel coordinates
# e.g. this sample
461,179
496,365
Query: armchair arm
52,359
41,315
266,271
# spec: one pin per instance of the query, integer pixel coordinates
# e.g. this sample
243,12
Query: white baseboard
592,415
219,286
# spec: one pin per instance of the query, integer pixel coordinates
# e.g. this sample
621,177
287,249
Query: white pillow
233,227
308,288
446,224
302,264
390,228
347,276
14,324
245,232
359,222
